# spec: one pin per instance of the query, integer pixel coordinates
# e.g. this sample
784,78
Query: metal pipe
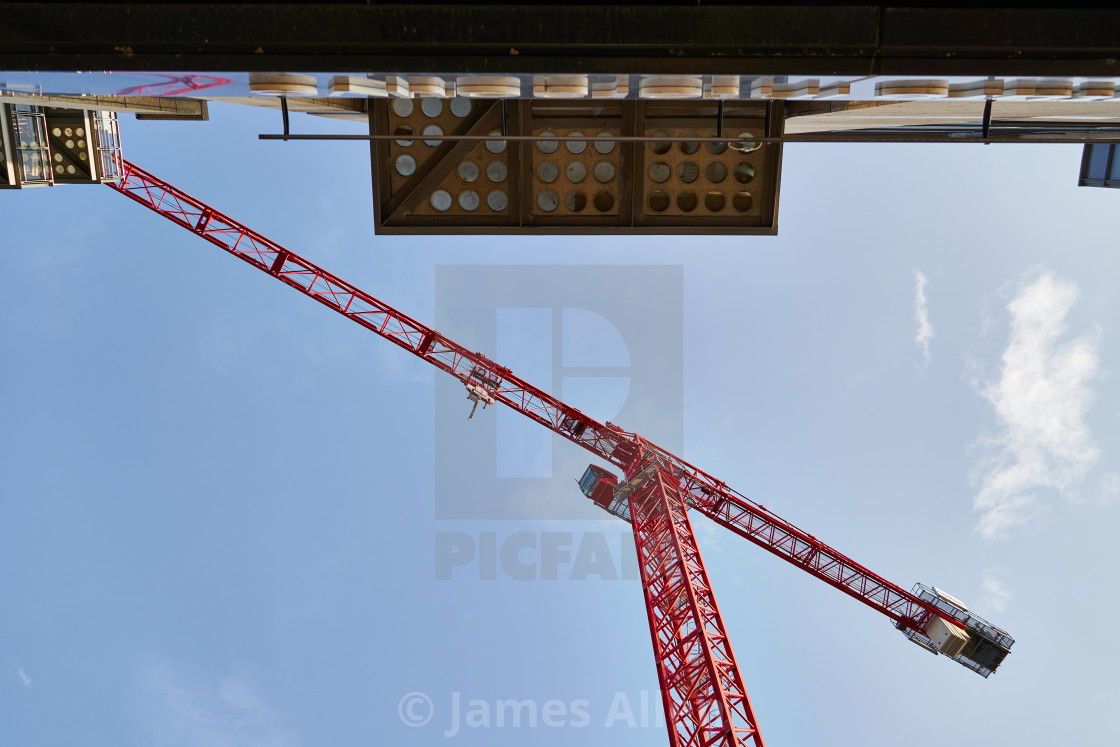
284,112
962,136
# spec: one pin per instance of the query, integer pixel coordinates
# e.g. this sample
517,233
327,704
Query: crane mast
702,688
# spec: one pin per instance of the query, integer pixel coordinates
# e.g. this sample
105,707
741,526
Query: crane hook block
477,394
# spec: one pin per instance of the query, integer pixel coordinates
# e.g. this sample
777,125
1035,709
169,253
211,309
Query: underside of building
665,117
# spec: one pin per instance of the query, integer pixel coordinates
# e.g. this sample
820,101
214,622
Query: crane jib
912,611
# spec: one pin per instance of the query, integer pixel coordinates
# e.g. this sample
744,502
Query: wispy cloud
997,594
1040,399
924,332
22,676
228,711
1109,489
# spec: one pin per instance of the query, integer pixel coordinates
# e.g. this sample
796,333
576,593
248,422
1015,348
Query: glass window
31,141
36,165
1114,172
1098,161
109,146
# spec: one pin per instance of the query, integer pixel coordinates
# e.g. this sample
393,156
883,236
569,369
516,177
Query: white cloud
1040,399
21,675
231,711
924,332
1109,489
996,593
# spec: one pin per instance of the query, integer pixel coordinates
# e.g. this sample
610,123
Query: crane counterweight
983,647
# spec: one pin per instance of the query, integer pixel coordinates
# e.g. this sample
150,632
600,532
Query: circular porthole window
603,201
496,171
468,200
441,200
575,201
576,146
660,172
495,146
547,146
402,107
460,107
497,200
432,130
744,173
547,172
548,201
468,171
405,165
403,130
659,201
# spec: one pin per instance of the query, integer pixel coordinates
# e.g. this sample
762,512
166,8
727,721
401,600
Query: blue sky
220,514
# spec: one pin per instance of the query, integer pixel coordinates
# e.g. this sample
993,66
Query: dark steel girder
730,38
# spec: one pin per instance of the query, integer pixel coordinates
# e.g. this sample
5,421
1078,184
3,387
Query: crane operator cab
981,646
601,487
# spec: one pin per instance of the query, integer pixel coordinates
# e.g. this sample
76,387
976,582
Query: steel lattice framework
702,689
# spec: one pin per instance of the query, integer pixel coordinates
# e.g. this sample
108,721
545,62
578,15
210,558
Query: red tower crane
703,694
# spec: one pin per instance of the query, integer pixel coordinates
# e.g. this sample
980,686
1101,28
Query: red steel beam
701,491
702,691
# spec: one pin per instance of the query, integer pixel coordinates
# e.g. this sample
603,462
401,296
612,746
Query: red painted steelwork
703,693
703,492
702,688
171,84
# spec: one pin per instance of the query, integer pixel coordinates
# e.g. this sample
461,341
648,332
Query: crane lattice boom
704,697
705,493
